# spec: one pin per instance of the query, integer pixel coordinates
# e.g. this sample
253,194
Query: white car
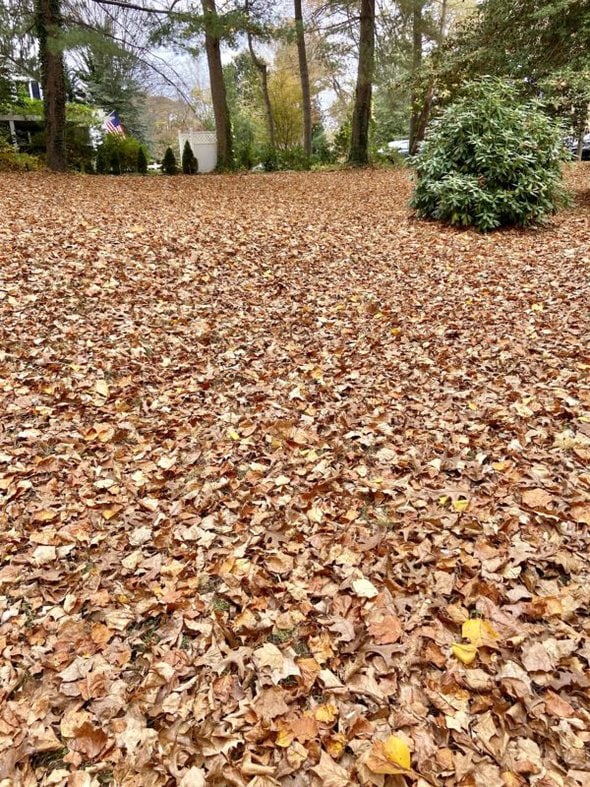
401,146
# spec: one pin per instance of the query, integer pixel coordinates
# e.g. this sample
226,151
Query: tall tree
218,94
417,30
304,76
262,69
48,22
359,143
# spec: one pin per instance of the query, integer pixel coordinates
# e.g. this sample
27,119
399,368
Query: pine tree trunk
304,76
48,22
220,108
359,143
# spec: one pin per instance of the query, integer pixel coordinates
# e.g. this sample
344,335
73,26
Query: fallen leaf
396,750
465,653
364,588
101,387
537,498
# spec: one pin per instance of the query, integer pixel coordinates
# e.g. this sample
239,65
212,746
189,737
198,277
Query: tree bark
417,26
304,76
359,142
48,21
262,68
218,95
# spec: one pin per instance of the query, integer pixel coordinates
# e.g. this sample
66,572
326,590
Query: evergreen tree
169,166
101,163
142,163
190,165
115,162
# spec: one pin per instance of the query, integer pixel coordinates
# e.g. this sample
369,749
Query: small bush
490,161
115,163
101,162
13,161
294,158
190,165
269,158
142,162
120,153
169,166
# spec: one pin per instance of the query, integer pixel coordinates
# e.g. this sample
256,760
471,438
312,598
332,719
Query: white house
204,147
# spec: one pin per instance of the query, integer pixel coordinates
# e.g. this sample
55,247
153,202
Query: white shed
204,147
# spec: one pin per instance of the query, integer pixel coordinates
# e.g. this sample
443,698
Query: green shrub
190,165
120,153
169,166
115,162
490,161
13,161
142,162
269,158
101,162
294,158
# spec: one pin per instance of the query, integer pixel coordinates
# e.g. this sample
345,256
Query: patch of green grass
220,604
50,760
280,636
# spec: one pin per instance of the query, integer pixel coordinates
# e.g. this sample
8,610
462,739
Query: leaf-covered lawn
266,444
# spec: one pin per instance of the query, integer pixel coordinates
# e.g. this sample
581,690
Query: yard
267,443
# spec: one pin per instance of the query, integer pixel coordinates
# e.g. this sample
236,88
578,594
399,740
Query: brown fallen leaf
89,741
386,630
330,773
537,499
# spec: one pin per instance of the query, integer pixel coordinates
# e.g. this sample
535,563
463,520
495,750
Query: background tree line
298,81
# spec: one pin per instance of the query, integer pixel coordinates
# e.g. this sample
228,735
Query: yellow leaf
335,745
109,513
44,515
443,500
500,466
325,713
284,738
396,750
465,653
478,632
233,435
460,505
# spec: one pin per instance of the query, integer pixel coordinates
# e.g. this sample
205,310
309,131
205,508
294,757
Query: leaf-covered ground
266,445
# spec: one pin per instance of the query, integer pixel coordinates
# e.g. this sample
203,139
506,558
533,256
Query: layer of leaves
269,452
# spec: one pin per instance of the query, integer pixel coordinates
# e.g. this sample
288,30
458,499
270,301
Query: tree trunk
359,143
416,63
304,76
262,68
48,22
220,108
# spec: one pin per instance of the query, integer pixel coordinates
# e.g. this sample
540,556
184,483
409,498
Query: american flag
112,124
